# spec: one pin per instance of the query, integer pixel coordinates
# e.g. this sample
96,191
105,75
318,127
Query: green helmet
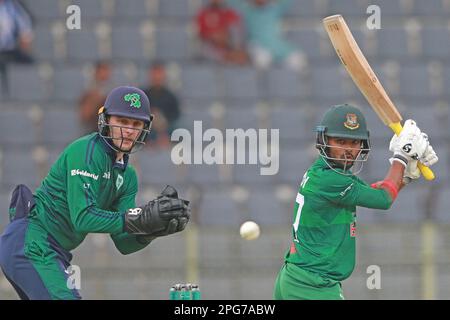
343,121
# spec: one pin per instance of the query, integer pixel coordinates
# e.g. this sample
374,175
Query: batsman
322,251
91,188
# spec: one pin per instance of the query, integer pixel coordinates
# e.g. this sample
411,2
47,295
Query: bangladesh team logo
352,121
134,99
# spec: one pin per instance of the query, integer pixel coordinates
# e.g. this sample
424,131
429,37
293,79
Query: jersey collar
112,155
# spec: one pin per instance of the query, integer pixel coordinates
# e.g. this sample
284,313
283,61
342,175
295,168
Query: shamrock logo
134,99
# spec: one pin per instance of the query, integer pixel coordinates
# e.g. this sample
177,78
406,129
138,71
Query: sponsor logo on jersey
134,99
346,190
119,181
351,122
134,211
84,173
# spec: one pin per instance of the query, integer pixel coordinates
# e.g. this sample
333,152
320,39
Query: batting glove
411,144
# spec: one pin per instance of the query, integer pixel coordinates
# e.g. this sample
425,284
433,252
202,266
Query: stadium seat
82,45
285,84
17,128
307,40
347,8
132,9
45,9
68,84
266,210
26,83
43,44
5,198
244,117
217,208
390,8
305,9
392,43
200,82
127,43
203,175
156,167
242,83
172,43
294,123
435,42
60,127
180,9
442,213
430,8
415,81
294,162
331,82
18,167
91,9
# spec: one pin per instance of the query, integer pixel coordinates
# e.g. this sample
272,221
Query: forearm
129,243
96,220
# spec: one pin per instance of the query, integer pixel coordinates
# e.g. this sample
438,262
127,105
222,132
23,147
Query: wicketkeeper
322,252
91,188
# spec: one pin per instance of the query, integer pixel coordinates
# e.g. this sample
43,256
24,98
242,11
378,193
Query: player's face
125,131
346,150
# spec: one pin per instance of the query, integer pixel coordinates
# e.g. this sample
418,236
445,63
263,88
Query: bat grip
426,172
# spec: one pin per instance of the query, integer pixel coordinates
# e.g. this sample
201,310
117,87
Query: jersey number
300,200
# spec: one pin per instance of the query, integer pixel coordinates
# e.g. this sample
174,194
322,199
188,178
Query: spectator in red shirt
221,34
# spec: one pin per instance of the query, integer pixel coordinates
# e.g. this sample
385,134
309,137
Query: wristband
391,187
399,158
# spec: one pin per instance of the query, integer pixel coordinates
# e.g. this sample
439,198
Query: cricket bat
365,79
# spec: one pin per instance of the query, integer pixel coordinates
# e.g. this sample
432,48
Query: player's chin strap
334,163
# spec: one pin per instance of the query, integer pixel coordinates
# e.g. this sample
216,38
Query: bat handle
426,172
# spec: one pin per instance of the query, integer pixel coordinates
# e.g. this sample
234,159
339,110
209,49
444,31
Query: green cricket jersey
87,191
324,227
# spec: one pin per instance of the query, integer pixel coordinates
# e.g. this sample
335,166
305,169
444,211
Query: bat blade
364,77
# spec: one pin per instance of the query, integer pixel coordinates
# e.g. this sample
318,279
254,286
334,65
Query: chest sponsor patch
84,173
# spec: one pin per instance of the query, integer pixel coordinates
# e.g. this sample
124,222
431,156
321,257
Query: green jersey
324,227
87,191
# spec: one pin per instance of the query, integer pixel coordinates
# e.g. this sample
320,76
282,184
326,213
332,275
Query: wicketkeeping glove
411,144
165,215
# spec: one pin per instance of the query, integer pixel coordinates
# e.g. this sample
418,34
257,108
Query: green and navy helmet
343,121
129,102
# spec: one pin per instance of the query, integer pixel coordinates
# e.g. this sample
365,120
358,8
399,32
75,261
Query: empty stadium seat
415,81
172,43
127,43
45,9
156,167
217,208
435,42
91,9
242,83
285,84
266,210
330,82
18,167
390,8
132,9
180,9
60,127
294,162
392,43
200,82
307,40
295,123
82,45
305,8
17,128
26,83
68,84
348,7
43,43
430,8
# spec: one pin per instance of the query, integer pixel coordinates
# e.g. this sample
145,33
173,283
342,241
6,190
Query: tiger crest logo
352,121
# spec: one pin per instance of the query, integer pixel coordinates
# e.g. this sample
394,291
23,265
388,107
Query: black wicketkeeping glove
165,215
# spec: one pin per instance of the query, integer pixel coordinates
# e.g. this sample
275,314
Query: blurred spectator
266,43
94,98
16,36
164,104
221,33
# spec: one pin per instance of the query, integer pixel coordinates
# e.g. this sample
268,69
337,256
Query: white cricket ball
250,230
